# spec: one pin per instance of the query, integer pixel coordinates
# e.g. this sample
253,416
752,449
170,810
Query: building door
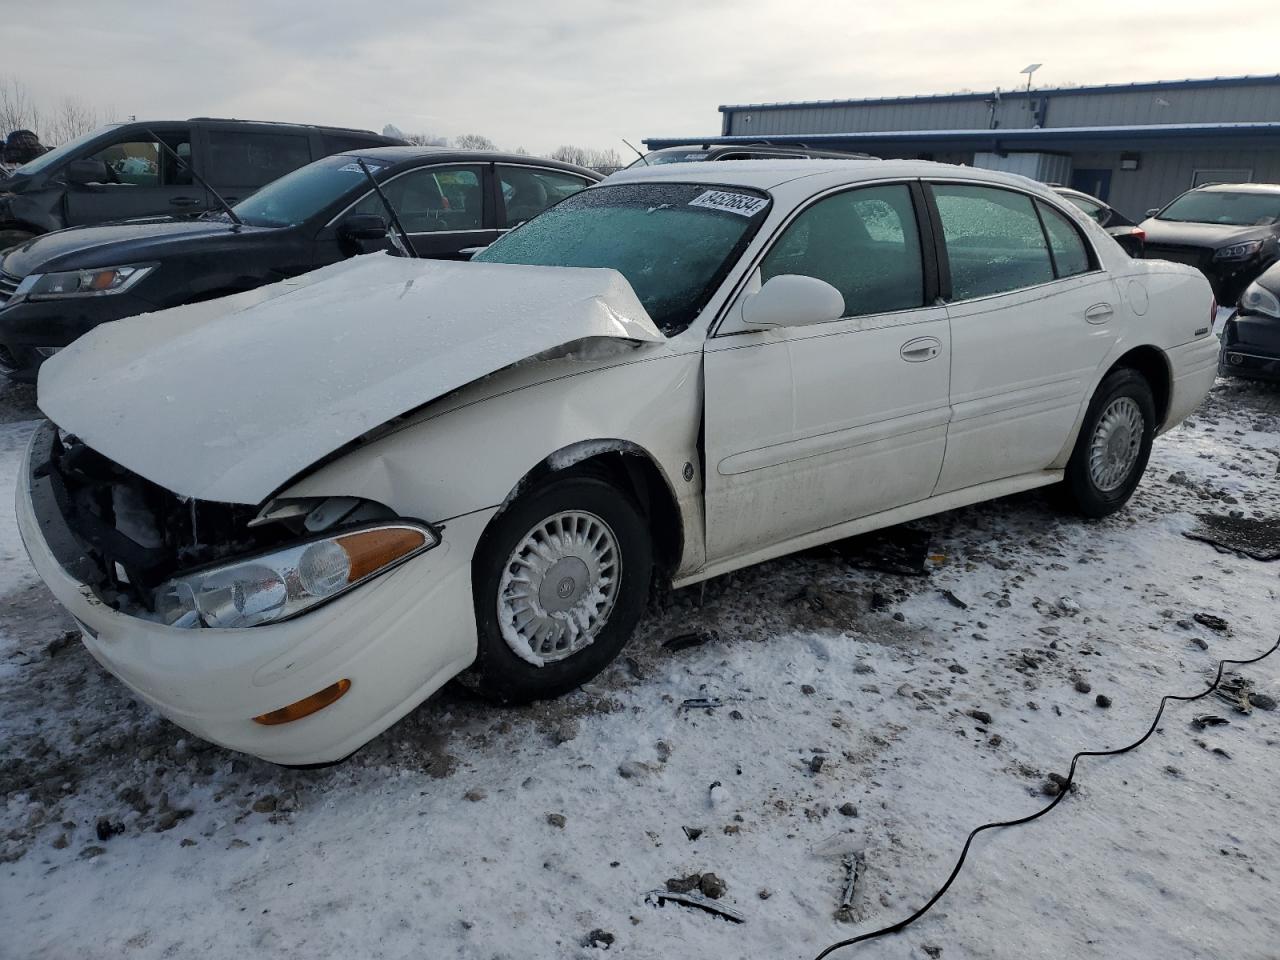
1096,183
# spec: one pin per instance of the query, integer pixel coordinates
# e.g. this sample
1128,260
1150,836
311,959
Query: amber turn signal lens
306,706
372,550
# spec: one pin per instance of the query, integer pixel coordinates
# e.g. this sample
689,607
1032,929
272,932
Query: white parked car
286,517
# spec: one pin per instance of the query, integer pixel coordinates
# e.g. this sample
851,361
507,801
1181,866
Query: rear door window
993,240
242,159
863,242
1070,255
527,191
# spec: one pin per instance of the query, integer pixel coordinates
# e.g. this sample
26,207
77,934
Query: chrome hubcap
559,587
1116,441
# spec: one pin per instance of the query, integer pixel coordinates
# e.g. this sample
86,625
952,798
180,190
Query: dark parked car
122,171
56,287
1128,234
1251,338
1229,231
739,151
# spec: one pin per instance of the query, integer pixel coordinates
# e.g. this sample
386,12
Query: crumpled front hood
227,400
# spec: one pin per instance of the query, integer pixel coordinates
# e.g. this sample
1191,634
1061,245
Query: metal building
1135,145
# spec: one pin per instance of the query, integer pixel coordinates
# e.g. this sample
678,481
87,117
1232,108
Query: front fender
472,451
38,212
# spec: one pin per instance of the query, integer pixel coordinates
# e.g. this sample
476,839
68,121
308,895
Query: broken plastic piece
661,897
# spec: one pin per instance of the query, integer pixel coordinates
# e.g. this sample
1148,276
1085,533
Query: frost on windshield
673,242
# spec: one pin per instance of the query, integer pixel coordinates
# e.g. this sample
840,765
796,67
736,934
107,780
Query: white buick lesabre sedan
286,517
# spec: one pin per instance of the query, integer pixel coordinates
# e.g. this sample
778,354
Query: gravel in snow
858,713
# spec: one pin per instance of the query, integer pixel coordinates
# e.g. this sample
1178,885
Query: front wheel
1111,452
560,580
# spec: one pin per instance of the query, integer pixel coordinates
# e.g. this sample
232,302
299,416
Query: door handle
921,349
184,202
1099,313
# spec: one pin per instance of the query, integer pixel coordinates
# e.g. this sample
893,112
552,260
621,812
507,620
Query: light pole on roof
1029,70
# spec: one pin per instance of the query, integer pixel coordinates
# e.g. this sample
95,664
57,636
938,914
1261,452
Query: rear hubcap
1116,442
559,587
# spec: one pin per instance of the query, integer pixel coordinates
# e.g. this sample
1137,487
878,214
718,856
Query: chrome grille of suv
8,285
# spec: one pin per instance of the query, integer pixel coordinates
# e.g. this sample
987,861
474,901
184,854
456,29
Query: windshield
58,154
302,194
1219,206
674,242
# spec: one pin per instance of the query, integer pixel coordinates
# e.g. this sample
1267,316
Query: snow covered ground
474,832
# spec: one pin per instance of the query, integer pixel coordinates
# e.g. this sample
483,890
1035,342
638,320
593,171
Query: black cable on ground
903,924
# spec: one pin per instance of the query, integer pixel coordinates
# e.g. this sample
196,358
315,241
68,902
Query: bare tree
427,140
70,118
587,157
474,141
18,111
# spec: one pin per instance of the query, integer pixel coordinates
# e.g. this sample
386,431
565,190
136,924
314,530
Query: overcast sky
539,73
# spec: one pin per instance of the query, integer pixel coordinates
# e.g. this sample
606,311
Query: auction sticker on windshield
354,166
743,204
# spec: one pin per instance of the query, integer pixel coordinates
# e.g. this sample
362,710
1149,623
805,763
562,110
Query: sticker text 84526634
743,204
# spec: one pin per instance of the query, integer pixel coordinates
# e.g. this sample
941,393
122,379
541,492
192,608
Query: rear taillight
1213,311
1140,234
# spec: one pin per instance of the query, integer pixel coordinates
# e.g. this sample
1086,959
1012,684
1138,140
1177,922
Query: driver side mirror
84,172
363,226
793,300
1152,212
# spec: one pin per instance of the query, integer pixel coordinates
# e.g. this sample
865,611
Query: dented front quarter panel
471,450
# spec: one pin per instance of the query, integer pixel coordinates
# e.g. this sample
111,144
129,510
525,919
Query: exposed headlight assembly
1258,299
99,282
288,581
1238,251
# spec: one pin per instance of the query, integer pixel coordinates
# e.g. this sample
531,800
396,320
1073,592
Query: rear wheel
1111,452
560,580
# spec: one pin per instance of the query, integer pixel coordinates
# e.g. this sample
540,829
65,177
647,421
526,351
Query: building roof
1004,138
1147,86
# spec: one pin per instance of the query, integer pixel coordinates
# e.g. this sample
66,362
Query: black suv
121,171
1230,231
55,288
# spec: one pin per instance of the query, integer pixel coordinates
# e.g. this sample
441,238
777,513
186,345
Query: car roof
1073,192
266,124
1240,188
781,149
817,173
452,154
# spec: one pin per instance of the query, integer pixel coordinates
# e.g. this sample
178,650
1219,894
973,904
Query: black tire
10,237
1080,488
498,673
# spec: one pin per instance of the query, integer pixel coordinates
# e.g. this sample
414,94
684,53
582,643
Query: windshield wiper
391,211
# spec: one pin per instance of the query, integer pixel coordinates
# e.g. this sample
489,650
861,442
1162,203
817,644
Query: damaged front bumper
396,639
1251,347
